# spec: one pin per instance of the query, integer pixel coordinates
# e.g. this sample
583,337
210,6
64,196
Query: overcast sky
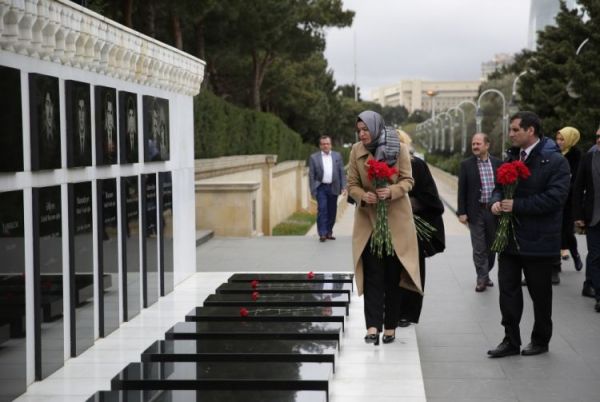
424,39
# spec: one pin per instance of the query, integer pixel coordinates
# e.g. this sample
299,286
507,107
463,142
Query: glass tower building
542,14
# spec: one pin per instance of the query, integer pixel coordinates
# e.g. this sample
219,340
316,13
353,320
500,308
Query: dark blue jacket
539,200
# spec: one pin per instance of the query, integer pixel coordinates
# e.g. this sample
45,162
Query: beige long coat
400,217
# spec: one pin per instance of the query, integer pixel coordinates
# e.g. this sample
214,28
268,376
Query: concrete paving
457,325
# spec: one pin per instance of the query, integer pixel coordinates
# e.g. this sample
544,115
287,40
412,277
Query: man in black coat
537,210
476,180
586,212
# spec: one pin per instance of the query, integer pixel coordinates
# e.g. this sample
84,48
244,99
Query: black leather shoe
322,239
330,237
403,323
504,349
489,283
388,338
578,264
588,291
372,338
597,306
532,349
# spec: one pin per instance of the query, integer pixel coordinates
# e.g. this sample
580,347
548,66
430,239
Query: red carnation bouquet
508,175
381,239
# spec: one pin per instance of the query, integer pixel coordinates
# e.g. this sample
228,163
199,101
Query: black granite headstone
224,376
13,357
156,129
44,121
81,264
301,314
106,125
165,228
209,396
285,287
235,350
48,279
79,126
130,229
108,262
11,121
279,300
256,330
128,128
149,240
307,277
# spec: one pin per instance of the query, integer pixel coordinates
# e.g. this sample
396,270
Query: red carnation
254,284
310,275
507,174
522,169
380,172
243,312
255,295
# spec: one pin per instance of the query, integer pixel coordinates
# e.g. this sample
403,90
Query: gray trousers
483,232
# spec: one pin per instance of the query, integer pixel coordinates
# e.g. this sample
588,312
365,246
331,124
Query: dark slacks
381,279
592,262
538,275
568,241
410,303
326,209
482,228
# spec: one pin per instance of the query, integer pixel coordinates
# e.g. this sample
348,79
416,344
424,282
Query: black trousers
381,279
410,303
538,275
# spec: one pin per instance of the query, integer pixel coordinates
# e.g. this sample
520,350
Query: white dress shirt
327,167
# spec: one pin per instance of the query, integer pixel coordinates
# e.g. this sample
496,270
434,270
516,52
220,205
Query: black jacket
469,186
583,190
426,203
538,201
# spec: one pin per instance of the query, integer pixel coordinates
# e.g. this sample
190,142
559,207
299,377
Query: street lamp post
570,91
479,114
513,106
432,95
464,137
464,129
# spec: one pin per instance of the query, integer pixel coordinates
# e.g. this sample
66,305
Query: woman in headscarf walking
381,278
567,139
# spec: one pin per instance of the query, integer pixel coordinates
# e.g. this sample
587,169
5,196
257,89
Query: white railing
63,32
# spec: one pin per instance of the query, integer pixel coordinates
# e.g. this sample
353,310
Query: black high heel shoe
388,338
372,338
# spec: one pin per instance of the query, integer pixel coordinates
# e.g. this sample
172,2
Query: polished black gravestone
81,263
130,239
106,125
11,140
165,229
290,314
224,376
79,126
252,330
149,233
108,262
44,121
285,287
209,396
13,356
128,128
279,300
47,288
315,278
235,350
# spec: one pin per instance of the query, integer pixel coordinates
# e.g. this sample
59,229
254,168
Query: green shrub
449,163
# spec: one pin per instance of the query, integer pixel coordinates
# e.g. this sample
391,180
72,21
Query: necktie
523,155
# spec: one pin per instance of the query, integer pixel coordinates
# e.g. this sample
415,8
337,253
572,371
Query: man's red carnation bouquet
381,239
508,175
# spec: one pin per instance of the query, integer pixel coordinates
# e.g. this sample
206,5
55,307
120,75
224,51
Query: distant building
500,60
541,14
413,94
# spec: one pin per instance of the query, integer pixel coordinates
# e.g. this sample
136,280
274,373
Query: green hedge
449,163
223,129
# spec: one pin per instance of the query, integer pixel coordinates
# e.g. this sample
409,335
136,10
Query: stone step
209,396
279,300
285,287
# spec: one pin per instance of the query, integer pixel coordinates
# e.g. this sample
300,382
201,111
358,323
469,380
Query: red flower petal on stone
243,312
255,295
310,275
254,284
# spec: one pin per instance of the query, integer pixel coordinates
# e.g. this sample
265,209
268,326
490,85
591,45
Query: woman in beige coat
380,279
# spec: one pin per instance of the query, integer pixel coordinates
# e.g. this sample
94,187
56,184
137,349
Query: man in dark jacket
586,213
476,180
537,210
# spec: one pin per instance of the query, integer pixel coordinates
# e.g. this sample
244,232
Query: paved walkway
457,326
